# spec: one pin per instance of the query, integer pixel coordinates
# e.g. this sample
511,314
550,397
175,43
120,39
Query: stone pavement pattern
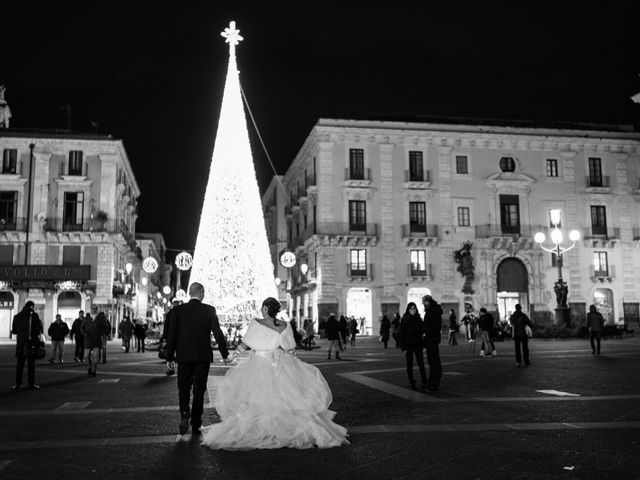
489,421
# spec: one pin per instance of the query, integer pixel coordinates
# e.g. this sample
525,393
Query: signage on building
45,272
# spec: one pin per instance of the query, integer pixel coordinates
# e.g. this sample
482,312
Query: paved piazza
570,415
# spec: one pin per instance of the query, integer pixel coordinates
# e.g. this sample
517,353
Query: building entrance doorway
6,314
359,306
513,287
69,304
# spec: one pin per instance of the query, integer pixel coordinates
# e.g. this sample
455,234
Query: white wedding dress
273,400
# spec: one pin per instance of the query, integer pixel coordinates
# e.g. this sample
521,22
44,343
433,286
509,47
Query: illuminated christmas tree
232,258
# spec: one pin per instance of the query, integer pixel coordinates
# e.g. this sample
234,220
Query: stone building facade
385,212
68,209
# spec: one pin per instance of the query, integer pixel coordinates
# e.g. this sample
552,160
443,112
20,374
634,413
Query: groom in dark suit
190,341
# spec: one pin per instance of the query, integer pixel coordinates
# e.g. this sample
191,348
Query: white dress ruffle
273,400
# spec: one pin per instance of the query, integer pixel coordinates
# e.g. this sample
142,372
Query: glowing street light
557,237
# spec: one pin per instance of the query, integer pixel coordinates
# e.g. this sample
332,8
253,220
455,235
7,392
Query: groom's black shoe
184,424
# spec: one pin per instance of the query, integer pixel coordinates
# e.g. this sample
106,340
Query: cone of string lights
232,258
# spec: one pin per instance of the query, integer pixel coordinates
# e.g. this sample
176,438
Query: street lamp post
560,286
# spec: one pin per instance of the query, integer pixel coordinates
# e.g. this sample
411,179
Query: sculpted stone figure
5,111
465,266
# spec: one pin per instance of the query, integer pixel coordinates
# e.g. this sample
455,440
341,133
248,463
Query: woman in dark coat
385,327
20,329
344,330
333,335
411,341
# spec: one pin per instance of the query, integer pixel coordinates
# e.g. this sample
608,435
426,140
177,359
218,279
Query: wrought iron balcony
419,230
360,174
419,176
602,232
597,181
415,271
357,272
496,230
83,225
13,224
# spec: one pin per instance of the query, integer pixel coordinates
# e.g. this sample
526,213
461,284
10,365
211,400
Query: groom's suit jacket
190,333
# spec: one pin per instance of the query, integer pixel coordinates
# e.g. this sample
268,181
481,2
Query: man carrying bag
28,328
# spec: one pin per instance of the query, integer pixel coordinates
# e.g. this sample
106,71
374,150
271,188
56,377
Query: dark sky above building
153,76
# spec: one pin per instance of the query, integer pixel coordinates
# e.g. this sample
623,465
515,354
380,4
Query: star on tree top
232,34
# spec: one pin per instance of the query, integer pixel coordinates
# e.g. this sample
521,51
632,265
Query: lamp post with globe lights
560,286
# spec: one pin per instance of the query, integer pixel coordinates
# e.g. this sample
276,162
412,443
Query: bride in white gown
272,399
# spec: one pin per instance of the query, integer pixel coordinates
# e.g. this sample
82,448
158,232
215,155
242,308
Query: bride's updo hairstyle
272,305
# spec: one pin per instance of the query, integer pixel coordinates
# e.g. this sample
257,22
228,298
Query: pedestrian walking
126,329
410,338
189,342
519,322
333,335
77,336
308,333
385,328
94,328
57,331
353,330
26,326
453,328
432,328
485,323
595,322
344,331
140,332
105,337
395,324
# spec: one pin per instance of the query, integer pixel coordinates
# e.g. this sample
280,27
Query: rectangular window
356,164
464,217
598,220
418,262
8,207
552,167
462,164
6,254
551,225
75,162
418,216
10,160
595,172
72,215
600,263
357,215
416,167
510,214
358,262
71,255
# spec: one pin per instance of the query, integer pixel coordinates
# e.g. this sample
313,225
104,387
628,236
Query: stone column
626,228
448,272
387,223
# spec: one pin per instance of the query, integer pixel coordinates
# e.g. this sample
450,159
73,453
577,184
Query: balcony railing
364,174
419,176
602,232
84,225
495,230
346,228
13,224
636,233
602,274
415,270
354,271
416,230
601,182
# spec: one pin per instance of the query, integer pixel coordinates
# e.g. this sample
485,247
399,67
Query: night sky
154,77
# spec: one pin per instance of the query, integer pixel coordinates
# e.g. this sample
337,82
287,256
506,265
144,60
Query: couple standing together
414,334
270,400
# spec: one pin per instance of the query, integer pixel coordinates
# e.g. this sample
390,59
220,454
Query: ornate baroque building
68,209
381,211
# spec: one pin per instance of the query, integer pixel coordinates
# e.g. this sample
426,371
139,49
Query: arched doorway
69,303
603,300
6,313
513,287
359,306
415,295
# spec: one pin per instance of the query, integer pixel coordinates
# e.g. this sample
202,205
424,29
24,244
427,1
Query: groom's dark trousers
192,374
